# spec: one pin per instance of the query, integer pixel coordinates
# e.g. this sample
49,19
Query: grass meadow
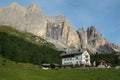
61,74
26,71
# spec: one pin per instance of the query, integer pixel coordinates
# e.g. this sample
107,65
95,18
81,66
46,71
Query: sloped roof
70,54
73,53
44,64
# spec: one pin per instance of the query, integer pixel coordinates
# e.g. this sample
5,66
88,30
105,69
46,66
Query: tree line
112,58
19,50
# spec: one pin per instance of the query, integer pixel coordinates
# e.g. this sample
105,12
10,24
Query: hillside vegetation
62,74
10,70
8,64
114,60
26,47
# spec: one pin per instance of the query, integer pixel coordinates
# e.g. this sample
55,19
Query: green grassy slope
13,41
8,64
62,74
26,47
26,71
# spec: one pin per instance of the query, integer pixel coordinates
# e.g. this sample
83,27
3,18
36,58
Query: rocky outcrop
55,29
59,29
30,19
83,38
94,41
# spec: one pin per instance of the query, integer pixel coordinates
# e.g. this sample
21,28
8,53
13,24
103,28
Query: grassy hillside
7,64
26,71
62,74
26,47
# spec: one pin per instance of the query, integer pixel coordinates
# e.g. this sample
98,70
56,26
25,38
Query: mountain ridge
55,29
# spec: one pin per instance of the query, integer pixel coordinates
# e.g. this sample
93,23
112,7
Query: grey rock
60,29
94,41
55,29
83,38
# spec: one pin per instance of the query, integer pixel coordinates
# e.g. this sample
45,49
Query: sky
103,14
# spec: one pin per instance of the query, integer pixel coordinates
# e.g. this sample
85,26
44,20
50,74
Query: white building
76,58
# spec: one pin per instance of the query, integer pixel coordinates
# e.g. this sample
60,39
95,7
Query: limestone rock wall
83,38
60,29
55,29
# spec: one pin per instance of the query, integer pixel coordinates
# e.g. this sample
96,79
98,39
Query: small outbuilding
50,66
104,63
45,66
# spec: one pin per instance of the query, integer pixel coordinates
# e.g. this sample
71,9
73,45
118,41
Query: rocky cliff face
55,29
59,29
83,38
94,41
29,18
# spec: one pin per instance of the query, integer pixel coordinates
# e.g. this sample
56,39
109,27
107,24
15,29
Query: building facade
76,59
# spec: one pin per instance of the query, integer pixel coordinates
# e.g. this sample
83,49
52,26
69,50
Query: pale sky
103,14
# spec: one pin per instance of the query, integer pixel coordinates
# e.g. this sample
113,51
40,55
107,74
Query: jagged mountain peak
92,32
33,7
55,29
14,5
94,41
92,28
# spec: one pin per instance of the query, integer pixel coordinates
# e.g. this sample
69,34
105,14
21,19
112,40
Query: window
86,56
70,62
65,59
86,60
76,62
70,58
77,58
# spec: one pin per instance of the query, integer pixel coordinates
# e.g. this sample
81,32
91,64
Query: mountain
94,41
60,30
32,19
54,29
